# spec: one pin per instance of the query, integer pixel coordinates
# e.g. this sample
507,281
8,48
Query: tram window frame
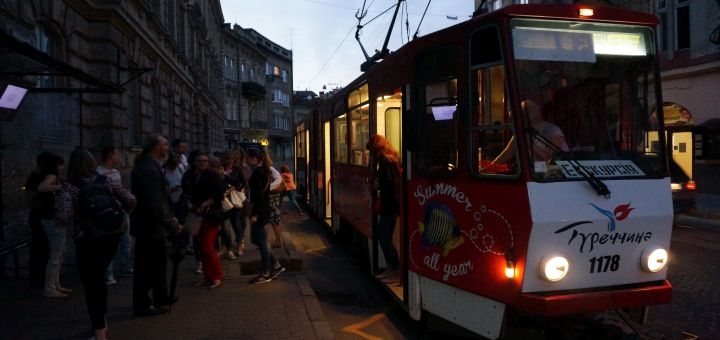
437,157
436,72
490,121
340,126
359,108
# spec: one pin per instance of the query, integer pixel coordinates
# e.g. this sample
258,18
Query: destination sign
577,46
604,168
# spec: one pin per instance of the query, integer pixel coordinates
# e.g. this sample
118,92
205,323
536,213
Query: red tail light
690,185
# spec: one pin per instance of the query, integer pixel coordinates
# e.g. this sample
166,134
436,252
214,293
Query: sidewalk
285,308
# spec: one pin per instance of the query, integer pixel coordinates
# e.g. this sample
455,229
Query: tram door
324,179
389,124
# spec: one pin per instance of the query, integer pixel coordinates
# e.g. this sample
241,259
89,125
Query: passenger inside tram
544,136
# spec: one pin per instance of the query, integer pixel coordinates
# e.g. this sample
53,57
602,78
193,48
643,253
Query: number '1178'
601,264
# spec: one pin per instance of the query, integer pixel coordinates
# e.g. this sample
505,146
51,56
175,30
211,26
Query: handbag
237,198
279,188
226,204
193,222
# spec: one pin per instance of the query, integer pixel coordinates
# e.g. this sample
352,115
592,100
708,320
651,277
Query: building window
44,42
284,76
682,24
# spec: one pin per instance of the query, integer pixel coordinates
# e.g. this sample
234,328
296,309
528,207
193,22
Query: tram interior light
554,268
443,112
654,259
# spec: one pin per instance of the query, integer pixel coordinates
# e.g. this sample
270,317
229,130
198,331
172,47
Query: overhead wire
332,55
421,20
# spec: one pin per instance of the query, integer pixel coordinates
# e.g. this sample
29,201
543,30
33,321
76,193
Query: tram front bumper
564,303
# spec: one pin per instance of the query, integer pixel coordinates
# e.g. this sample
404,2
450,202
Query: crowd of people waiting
173,206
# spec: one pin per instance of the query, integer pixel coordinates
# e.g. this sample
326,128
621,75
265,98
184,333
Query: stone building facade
258,81
109,72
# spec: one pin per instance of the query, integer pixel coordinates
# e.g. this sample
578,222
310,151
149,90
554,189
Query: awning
19,59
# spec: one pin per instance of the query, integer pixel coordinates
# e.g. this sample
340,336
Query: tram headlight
654,259
554,268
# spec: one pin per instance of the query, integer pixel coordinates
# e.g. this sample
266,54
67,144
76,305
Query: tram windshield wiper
595,183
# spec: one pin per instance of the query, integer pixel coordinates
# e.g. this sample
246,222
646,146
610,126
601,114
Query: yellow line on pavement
356,328
314,250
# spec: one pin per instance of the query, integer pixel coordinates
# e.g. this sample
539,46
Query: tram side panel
352,196
463,233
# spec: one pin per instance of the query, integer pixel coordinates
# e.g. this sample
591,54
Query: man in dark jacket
151,223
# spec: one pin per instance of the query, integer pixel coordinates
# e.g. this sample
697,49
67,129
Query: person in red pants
207,193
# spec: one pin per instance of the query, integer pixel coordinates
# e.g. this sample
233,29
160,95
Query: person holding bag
207,192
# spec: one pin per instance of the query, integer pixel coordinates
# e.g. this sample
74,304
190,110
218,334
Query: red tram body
587,229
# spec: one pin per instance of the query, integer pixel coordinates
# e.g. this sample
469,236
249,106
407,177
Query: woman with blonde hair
386,180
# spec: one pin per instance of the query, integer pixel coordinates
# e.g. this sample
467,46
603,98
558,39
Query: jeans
259,238
57,238
238,222
384,234
292,198
123,256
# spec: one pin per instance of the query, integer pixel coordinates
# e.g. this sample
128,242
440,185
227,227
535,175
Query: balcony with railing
253,91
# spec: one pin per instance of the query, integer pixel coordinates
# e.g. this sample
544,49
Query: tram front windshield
587,93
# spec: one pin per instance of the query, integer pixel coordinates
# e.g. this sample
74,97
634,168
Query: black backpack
99,215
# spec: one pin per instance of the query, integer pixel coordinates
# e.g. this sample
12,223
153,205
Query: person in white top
180,148
110,158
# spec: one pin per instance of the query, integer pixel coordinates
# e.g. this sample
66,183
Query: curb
696,220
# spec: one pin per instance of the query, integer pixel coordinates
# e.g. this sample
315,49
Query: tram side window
340,152
436,154
358,101
359,134
491,126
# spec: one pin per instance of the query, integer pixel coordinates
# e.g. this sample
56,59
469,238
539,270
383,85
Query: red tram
585,229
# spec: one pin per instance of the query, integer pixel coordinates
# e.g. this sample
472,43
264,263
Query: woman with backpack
94,250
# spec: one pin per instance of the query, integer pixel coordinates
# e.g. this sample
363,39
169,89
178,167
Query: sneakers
262,278
198,268
110,281
231,255
276,271
53,294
